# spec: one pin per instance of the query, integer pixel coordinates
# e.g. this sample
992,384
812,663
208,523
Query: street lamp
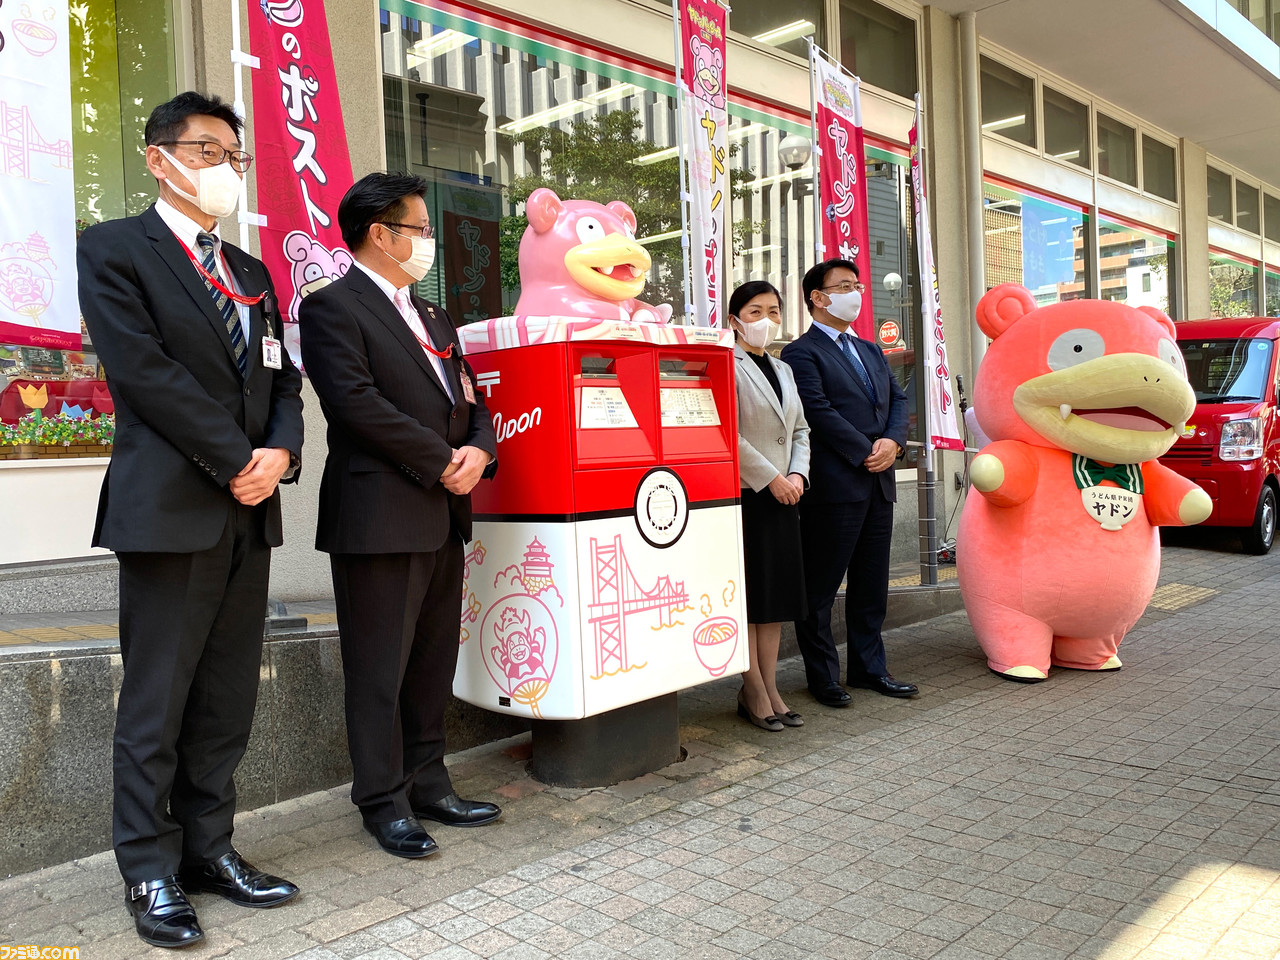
893,285
794,151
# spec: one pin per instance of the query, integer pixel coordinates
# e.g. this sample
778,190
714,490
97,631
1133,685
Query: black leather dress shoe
238,880
403,838
831,695
885,685
456,812
162,915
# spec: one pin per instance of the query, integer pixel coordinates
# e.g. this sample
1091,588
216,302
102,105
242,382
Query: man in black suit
857,417
208,422
409,437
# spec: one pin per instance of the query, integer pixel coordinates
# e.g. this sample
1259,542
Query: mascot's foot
1023,674
1111,663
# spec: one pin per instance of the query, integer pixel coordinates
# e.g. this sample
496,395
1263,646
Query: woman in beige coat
773,465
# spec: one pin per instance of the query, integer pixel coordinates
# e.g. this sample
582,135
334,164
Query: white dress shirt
413,321
186,229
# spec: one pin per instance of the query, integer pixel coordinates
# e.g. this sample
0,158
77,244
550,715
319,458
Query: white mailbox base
563,620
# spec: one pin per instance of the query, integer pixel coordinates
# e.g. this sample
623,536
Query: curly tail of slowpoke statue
642,312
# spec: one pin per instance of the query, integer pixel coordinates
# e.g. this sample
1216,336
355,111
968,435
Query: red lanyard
442,354
217,285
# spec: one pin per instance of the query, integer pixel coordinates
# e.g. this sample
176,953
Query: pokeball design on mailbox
661,507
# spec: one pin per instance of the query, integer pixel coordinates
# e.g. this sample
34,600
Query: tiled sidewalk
1093,816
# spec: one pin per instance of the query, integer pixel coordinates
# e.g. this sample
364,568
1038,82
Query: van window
1224,370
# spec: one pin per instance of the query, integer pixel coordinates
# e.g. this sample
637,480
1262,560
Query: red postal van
1231,446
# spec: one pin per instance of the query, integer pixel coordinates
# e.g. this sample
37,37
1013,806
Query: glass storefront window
1034,241
1008,102
1271,217
54,403
1136,264
1247,207
1233,286
1219,187
1272,279
1066,128
781,25
122,65
1117,153
773,217
487,123
879,45
1159,168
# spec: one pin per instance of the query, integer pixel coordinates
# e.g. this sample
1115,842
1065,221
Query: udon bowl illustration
715,641
35,36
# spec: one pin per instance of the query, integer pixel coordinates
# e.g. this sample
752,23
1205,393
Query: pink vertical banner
942,428
302,167
703,92
841,184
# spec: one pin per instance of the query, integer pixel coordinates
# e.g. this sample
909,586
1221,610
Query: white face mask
420,260
845,306
757,333
217,188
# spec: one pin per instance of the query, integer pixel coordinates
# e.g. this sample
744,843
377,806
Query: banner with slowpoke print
703,91
842,187
302,165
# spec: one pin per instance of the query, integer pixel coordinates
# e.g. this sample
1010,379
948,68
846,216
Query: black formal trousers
191,639
398,618
845,541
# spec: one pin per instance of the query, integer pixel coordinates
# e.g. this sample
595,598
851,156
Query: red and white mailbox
606,565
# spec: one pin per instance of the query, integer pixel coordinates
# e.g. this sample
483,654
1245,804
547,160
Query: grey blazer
772,439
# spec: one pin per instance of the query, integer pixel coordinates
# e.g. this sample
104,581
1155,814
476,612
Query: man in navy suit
857,417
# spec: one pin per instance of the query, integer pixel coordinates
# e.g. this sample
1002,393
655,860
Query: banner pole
682,119
815,163
238,105
927,481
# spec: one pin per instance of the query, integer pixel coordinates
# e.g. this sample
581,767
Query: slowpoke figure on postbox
606,564
581,259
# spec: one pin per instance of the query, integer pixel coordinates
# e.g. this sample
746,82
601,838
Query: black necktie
230,315
846,344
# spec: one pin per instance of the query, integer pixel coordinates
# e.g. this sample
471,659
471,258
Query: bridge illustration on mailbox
615,595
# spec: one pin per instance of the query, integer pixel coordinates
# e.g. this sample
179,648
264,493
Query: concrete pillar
1193,241
949,217
944,170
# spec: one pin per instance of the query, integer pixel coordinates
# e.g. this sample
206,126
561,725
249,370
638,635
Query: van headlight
1241,439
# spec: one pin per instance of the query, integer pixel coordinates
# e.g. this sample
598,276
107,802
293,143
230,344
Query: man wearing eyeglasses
857,417
208,424
409,437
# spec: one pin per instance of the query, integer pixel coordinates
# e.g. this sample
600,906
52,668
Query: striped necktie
846,344
230,315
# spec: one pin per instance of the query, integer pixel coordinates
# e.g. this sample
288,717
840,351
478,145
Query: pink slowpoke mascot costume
580,259
1059,548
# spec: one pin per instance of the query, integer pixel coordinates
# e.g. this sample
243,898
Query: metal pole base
608,748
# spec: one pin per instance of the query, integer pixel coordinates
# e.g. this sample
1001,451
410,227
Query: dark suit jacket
186,423
392,428
843,423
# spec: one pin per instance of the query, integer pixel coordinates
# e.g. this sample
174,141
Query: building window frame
1095,105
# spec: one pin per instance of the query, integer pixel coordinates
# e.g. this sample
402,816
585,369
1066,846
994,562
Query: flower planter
54,451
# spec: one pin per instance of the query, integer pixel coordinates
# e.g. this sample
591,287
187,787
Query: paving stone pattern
1101,816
